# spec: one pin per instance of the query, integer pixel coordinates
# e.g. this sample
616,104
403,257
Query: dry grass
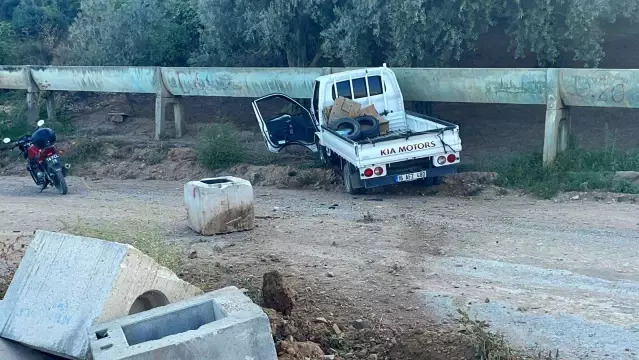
147,238
253,291
491,346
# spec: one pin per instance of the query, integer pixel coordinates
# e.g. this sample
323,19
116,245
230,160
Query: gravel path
549,275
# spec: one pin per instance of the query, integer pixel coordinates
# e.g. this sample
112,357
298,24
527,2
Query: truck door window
359,87
275,107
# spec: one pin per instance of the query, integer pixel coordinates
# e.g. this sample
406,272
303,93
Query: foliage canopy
305,32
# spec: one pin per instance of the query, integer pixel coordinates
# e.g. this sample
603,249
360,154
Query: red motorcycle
44,162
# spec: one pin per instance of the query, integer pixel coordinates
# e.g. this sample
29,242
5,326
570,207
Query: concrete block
220,325
10,350
219,205
65,284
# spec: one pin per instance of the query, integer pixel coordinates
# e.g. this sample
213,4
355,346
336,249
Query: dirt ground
556,274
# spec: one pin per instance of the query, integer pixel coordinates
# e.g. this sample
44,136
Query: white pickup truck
414,147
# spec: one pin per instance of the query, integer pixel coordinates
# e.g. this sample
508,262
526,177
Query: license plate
53,158
410,177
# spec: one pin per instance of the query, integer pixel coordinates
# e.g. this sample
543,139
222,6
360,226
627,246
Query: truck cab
403,147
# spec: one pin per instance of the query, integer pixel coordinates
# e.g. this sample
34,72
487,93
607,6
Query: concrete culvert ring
147,301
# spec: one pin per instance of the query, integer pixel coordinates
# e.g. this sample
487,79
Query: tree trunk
317,57
296,52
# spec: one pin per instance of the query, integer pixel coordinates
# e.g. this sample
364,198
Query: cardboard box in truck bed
347,108
343,108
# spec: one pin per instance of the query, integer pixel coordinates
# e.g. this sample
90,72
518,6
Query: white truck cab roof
375,85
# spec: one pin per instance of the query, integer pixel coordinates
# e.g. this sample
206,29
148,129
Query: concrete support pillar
565,127
160,114
50,100
178,113
33,111
557,129
161,103
32,108
162,99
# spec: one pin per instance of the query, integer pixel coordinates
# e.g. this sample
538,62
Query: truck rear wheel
349,187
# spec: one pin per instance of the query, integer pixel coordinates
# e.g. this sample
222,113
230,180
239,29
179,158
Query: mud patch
232,220
467,183
12,249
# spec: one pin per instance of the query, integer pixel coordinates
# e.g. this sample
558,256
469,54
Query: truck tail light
368,172
452,158
441,160
379,171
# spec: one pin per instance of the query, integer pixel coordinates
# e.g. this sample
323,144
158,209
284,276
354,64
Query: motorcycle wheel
60,182
33,176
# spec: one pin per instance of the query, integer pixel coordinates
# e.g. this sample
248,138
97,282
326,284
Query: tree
6,9
407,32
40,25
7,43
265,32
401,32
437,32
158,33
31,17
549,28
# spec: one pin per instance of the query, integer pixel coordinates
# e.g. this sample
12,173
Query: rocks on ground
468,183
299,351
181,154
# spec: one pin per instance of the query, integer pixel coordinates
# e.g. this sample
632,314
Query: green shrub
574,170
13,123
219,146
83,150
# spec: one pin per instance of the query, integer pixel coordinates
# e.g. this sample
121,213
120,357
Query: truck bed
410,136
